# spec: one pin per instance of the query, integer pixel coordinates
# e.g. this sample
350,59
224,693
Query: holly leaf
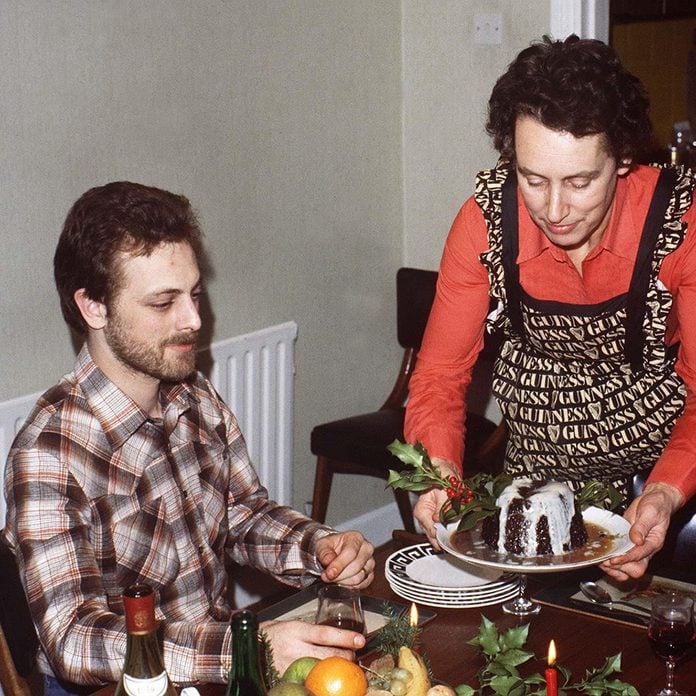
464,690
514,657
515,637
487,638
508,686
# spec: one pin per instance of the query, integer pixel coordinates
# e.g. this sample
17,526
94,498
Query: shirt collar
618,238
119,416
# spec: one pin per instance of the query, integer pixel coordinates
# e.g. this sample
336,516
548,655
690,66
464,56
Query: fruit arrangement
336,676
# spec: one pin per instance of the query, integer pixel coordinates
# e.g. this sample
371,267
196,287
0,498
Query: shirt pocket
136,540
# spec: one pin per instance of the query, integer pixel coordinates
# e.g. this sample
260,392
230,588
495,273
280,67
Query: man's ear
93,312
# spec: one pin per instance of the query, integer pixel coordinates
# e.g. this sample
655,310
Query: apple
297,671
289,689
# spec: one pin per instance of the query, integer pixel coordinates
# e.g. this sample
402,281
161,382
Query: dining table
583,642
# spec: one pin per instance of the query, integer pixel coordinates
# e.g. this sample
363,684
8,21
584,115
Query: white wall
324,143
281,121
448,78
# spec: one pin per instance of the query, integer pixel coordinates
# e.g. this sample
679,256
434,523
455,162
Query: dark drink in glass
670,640
348,623
671,633
341,607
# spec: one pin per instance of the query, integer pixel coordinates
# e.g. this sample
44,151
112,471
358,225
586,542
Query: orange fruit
336,676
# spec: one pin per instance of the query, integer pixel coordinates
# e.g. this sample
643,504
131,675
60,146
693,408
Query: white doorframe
589,19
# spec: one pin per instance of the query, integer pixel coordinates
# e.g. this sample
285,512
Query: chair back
15,619
415,292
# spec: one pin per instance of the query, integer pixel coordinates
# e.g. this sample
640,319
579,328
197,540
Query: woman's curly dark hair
577,86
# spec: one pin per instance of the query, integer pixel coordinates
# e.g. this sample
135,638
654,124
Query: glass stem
670,675
522,586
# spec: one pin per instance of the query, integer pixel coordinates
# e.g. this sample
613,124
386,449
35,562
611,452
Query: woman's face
567,183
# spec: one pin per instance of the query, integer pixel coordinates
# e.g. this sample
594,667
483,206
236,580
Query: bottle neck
245,676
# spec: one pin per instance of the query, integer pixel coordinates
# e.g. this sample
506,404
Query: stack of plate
423,575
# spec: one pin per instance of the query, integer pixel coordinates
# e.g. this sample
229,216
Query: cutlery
597,594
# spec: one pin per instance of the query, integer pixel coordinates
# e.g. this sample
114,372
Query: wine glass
521,605
340,606
671,632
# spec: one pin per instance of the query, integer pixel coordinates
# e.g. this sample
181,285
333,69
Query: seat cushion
364,439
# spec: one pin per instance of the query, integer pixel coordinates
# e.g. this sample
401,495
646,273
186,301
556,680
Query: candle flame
413,618
552,653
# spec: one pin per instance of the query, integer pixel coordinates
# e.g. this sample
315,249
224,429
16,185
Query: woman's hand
649,514
427,508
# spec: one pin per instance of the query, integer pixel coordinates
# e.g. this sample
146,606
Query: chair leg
10,682
403,500
322,489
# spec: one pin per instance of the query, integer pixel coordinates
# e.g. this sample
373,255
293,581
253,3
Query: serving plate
608,537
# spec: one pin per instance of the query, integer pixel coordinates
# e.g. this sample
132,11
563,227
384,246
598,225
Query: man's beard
152,359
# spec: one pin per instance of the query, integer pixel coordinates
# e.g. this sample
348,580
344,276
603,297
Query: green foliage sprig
397,631
270,673
472,499
504,653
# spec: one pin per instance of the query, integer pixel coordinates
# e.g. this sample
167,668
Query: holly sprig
472,499
504,654
468,500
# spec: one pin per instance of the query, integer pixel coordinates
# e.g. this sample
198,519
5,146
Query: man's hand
427,507
649,514
347,559
293,639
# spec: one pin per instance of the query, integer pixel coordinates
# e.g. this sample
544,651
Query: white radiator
254,374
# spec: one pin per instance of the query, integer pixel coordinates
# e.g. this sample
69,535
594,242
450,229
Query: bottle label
140,613
155,686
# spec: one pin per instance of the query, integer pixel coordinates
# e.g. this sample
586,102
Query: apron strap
640,280
510,250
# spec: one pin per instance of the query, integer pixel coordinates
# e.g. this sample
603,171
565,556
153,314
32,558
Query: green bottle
246,678
143,669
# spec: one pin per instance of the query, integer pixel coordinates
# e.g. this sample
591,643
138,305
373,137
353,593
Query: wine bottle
246,678
143,670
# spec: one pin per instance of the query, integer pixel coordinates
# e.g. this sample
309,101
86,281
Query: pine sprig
504,654
396,632
270,673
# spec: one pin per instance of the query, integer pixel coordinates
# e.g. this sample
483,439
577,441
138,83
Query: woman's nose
557,207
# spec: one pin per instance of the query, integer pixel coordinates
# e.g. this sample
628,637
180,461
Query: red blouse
435,412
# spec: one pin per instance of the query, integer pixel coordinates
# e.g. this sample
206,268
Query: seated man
132,469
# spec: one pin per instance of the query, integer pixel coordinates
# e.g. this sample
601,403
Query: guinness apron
587,391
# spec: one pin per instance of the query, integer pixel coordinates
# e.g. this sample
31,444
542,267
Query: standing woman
588,262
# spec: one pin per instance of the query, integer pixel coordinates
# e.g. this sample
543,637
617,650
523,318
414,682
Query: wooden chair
676,558
358,444
18,641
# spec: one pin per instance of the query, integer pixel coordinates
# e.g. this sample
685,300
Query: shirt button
184,493
201,549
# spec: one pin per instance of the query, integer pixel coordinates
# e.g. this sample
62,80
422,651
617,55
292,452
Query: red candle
551,672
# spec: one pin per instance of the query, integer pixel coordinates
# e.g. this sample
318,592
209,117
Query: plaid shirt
99,496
